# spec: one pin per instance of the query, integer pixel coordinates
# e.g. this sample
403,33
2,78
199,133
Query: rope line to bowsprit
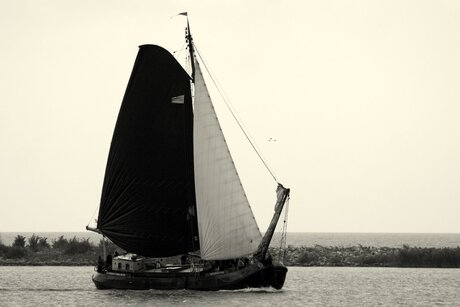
283,240
231,109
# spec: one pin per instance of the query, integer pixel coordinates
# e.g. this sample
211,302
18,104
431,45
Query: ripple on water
317,286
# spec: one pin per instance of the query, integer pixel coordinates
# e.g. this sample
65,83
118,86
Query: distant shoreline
299,239
36,251
368,256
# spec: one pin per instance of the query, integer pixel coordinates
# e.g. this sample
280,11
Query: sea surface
305,286
302,238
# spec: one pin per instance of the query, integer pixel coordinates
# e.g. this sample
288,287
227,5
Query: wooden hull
252,276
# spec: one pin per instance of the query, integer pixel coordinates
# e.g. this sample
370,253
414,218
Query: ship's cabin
128,263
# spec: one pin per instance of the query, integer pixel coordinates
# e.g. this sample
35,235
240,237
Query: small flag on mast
183,14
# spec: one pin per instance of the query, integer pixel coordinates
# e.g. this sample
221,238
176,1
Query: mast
283,195
189,40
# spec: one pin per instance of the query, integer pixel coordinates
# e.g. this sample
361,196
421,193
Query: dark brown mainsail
148,197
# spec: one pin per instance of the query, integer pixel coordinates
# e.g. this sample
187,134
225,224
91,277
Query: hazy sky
362,97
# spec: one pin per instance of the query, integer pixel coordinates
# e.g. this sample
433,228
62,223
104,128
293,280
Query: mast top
189,41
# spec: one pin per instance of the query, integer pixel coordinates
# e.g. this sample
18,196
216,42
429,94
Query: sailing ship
171,189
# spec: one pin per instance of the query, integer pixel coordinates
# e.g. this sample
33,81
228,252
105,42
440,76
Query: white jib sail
226,224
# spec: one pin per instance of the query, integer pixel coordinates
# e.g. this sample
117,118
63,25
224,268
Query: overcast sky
362,98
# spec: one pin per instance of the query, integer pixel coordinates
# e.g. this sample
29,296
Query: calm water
319,286
304,238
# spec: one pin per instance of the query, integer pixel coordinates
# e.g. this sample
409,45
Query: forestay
226,224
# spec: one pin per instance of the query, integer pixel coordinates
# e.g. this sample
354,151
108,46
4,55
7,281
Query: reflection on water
318,286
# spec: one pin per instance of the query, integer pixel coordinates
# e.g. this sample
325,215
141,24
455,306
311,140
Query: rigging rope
227,103
284,232
179,51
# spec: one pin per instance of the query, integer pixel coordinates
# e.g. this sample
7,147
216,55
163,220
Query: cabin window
119,265
127,266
